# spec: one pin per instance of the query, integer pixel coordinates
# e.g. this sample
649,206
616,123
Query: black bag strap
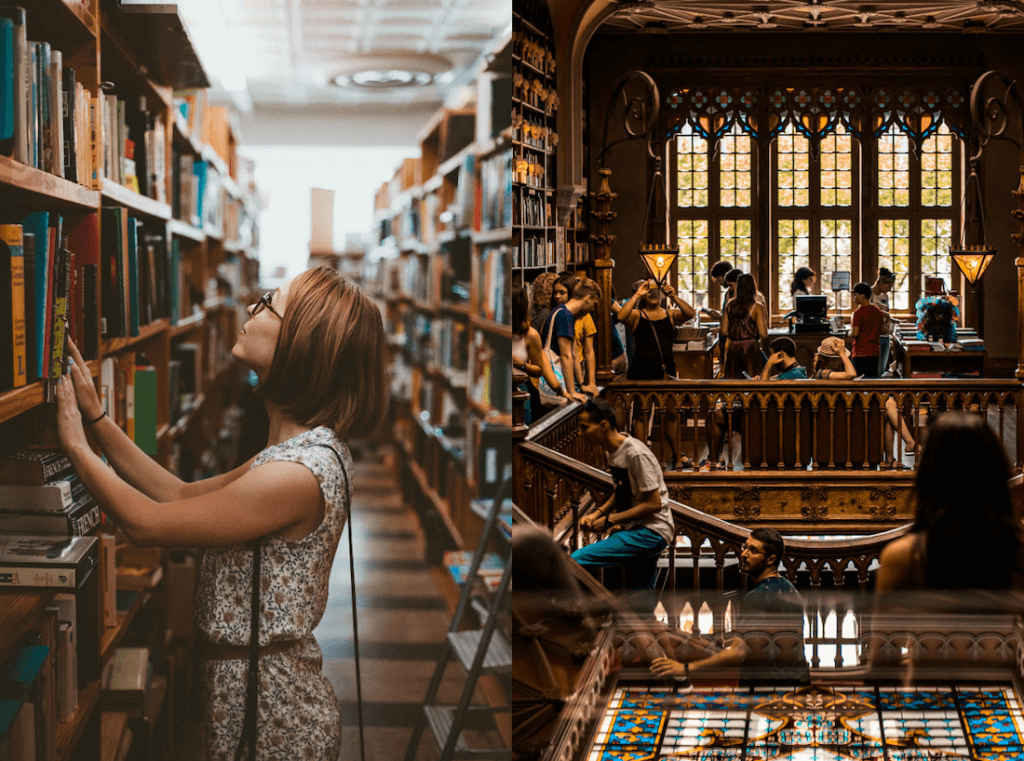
248,738
352,577
657,343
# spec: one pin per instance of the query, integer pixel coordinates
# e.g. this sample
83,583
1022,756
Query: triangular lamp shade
658,261
973,262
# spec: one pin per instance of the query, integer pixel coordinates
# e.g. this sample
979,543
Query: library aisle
402,626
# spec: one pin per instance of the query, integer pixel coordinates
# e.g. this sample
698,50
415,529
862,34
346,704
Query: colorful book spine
22,80
133,275
6,86
61,299
146,409
12,324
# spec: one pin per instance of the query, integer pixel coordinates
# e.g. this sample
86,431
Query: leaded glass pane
836,255
793,174
691,169
893,168
692,264
735,243
937,169
735,175
837,169
894,253
794,252
936,238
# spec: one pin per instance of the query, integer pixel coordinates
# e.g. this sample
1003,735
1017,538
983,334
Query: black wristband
92,422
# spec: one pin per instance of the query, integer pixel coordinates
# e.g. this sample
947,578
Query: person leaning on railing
528,356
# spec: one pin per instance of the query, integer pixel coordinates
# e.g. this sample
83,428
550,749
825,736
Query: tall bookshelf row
540,244
158,186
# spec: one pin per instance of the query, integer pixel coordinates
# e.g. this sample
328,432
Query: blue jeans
883,354
638,548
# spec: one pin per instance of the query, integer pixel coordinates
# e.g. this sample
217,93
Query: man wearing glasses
769,645
637,513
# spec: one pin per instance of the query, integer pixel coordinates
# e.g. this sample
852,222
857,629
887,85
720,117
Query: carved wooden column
602,242
1019,238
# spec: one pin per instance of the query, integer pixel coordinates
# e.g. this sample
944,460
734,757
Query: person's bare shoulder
896,563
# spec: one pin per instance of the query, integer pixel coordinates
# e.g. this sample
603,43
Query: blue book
199,170
6,86
17,675
133,276
37,223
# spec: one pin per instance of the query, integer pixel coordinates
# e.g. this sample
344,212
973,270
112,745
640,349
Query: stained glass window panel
894,253
735,244
836,255
735,172
811,723
692,264
793,174
937,169
936,237
794,252
837,169
691,169
893,168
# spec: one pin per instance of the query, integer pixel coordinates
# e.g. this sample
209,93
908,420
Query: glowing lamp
658,260
973,261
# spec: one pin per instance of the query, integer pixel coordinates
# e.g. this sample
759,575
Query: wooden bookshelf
101,47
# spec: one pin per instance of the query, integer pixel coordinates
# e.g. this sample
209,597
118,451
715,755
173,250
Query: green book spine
145,409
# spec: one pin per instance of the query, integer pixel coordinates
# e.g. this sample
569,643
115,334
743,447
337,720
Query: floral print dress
299,716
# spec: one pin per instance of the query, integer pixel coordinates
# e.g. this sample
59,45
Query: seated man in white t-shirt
637,511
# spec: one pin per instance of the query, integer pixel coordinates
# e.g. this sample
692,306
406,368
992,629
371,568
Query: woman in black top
653,329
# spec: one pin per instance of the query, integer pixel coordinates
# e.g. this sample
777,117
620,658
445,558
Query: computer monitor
812,306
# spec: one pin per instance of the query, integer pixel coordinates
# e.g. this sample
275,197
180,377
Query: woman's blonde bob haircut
329,364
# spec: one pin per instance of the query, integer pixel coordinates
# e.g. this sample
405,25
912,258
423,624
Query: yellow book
12,265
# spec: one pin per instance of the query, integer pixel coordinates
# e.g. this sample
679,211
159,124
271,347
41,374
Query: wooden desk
924,360
696,364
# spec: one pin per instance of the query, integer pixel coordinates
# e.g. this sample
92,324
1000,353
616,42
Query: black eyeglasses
265,302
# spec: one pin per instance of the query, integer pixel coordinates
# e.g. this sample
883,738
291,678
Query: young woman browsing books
317,346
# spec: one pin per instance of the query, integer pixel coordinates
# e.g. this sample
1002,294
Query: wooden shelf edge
69,732
22,607
490,326
17,400
111,638
497,235
136,202
439,503
16,178
188,324
146,332
185,230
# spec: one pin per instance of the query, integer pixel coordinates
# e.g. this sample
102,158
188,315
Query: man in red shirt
868,324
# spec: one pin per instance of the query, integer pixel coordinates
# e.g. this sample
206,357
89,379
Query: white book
67,677
57,111
49,498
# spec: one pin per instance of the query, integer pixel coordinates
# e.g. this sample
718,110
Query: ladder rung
465,645
440,718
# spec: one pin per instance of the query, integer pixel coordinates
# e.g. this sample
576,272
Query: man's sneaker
683,686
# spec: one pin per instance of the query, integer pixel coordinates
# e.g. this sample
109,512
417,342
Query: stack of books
40,493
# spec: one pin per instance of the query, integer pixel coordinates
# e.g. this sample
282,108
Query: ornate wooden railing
561,476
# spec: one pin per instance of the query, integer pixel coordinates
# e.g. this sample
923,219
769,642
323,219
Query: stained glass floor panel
812,723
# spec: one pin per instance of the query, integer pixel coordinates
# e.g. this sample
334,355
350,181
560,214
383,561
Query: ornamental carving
814,492
746,493
883,512
746,512
883,492
683,494
814,512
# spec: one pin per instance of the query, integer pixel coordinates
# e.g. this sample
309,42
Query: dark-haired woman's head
746,293
328,363
963,505
803,280
562,290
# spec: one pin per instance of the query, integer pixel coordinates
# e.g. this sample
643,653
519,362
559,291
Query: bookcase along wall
439,268
181,214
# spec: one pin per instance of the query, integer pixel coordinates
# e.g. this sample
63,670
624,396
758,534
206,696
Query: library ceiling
387,52
961,16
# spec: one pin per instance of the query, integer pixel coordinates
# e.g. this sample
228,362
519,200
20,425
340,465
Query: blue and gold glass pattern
812,723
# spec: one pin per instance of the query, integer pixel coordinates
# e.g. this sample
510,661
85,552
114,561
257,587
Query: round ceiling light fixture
389,71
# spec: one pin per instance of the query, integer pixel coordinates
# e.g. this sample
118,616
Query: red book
84,243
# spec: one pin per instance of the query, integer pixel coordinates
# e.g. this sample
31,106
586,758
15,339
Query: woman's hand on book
85,391
70,430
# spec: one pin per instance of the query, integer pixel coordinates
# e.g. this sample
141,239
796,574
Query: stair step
465,645
440,718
